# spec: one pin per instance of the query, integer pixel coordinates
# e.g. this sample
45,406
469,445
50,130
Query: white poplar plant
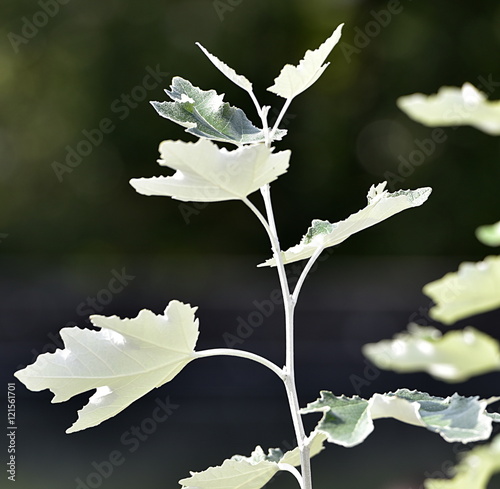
126,358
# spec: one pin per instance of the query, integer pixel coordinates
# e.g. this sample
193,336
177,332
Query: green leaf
348,421
318,227
251,472
293,80
123,361
204,114
424,348
381,205
207,173
239,80
474,470
475,288
453,106
489,235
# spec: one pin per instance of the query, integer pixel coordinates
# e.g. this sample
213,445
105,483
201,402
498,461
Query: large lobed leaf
206,173
348,421
251,472
424,348
293,80
475,288
474,470
453,106
204,114
123,361
381,205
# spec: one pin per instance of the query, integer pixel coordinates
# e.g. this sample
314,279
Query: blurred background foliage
345,133
60,239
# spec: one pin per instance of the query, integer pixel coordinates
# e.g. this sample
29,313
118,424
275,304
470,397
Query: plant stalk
289,369
230,352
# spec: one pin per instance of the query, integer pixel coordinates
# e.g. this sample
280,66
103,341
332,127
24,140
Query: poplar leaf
123,361
207,173
349,421
489,234
239,80
475,469
453,106
426,349
251,472
381,205
346,421
204,114
293,80
473,289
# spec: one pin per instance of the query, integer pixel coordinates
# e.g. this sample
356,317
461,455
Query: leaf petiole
230,352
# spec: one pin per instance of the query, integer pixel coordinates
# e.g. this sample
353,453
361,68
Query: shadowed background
76,125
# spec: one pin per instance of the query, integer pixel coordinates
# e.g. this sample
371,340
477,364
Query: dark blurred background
70,222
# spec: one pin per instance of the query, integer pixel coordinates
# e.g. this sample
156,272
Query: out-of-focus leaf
453,106
475,288
489,234
424,348
474,470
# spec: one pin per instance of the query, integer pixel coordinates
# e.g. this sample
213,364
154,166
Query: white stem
304,273
289,381
280,117
263,118
294,471
215,352
289,306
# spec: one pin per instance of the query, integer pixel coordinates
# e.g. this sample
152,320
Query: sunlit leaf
453,106
474,470
204,114
207,173
475,288
425,349
381,205
239,80
348,421
293,80
489,235
123,361
253,472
